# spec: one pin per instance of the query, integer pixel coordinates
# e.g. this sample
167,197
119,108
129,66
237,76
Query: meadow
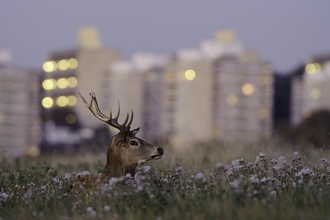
262,180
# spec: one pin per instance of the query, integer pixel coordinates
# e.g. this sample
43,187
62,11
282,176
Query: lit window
63,65
263,113
49,66
247,89
70,119
62,83
232,99
315,93
72,82
73,63
62,101
313,68
47,102
72,100
190,74
49,84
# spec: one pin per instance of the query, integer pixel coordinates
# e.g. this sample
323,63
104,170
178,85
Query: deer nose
160,150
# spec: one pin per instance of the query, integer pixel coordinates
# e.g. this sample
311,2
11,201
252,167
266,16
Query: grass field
262,180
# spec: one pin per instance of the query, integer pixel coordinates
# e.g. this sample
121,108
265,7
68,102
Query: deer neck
115,166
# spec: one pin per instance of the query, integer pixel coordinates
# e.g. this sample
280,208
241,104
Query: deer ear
135,131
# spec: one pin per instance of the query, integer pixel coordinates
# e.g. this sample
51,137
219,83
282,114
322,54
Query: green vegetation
216,181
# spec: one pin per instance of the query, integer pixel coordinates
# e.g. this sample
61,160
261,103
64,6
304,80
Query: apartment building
218,91
311,90
242,97
137,83
20,126
69,72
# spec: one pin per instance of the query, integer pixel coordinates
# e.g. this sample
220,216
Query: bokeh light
70,119
232,99
47,102
62,83
190,74
247,89
72,100
49,84
62,101
72,82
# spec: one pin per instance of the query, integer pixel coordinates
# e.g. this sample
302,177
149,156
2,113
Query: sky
285,33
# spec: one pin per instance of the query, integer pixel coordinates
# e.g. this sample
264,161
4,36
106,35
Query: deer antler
94,108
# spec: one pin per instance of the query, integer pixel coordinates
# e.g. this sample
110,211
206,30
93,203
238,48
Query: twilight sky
285,33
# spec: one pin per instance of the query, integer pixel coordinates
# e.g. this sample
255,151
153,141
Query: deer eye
133,143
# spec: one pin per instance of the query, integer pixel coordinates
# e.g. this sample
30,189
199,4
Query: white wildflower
86,173
253,179
3,197
107,208
295,153
146,169
273,195
237,164
79,174
199,176
262,155
67,176
113,181
141,161
294,185
235,184
178,169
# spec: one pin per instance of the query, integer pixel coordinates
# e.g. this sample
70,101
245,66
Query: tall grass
263,180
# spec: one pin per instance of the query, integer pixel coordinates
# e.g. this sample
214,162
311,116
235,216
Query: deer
125,151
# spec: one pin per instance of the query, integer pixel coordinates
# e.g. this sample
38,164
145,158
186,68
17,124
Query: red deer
125,150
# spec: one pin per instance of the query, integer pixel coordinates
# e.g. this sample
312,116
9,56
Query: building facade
310,90
68,73
20,125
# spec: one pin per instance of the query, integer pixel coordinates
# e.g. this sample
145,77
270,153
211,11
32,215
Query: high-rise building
138,85
68,73
242,97
310,90
220,91
20,125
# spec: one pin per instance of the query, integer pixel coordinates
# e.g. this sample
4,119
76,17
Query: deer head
125,150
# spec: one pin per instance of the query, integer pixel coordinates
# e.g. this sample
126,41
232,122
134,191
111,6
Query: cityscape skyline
285,34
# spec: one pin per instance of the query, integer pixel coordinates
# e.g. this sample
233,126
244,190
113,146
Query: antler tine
90,107
130,122
118,112
95,109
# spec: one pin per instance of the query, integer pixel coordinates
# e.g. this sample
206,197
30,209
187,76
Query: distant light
49,66
73,63
47,102
267,79
263,113
247,89
33,151
190,74
70,119
313,68
63,65
232,99
315,93
62,83
49,84
62,101
72,82
72,100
